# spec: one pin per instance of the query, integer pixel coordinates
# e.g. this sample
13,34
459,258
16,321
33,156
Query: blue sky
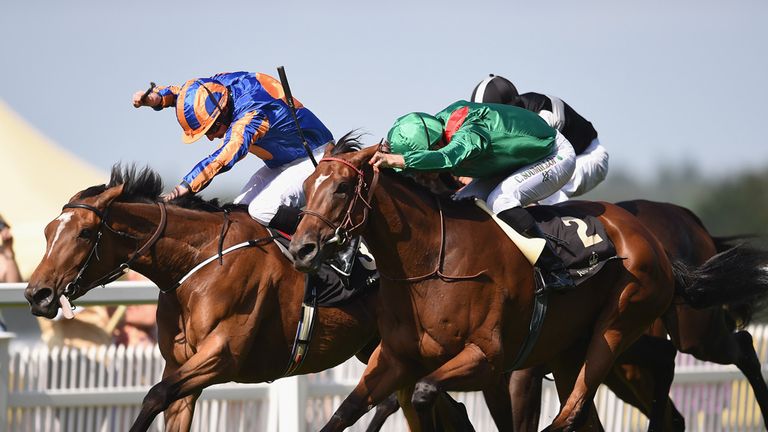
665,83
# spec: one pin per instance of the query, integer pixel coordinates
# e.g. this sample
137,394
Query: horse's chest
433,334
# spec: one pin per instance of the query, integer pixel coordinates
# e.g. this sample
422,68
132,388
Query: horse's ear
109,195
90,192
363,156
329,149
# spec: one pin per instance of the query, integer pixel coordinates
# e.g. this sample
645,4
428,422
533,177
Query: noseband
343,231
74,288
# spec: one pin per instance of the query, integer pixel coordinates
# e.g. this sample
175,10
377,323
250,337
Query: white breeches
591,169
529,184
269,188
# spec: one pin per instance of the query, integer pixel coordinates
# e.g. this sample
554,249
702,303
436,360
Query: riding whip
146,93
289,100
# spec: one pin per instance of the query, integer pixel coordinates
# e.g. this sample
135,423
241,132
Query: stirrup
555,280
554,276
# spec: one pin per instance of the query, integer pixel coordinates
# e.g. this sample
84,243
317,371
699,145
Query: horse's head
72,250
338,195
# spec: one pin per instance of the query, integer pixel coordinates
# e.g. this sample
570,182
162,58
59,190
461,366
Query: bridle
74,288
344,231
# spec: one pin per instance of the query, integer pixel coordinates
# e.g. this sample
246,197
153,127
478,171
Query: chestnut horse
642,377
454,312
233,320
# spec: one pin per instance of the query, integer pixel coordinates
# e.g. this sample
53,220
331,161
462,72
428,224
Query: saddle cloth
578,239
330,287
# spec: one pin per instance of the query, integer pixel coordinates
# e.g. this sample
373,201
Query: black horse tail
737,276
722,244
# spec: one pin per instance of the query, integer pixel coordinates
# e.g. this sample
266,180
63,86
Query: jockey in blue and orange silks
250,113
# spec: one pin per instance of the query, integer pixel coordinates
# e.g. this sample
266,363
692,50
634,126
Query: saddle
578,239
332,284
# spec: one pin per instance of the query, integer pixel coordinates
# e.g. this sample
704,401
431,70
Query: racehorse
707,334
643,376
454,311
232,320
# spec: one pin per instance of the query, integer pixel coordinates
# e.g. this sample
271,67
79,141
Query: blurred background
676,90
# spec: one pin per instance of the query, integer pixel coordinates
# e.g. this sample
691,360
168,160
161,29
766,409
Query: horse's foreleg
566,368
448,415
210,365
178,415
385,409
464,370
525,392
383,375
499,402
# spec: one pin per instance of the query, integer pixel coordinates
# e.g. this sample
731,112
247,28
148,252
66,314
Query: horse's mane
350,142
145,186
443,185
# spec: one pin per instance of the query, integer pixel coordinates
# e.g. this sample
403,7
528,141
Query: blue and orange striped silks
198,104
262,123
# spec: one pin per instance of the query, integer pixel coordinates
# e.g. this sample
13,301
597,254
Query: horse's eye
343,188
86,233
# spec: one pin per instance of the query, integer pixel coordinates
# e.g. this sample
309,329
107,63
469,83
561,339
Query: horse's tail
722,244
738,275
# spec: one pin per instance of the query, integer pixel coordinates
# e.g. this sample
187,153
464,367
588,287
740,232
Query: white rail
100,389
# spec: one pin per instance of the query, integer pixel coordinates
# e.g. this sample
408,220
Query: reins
347,226
440,258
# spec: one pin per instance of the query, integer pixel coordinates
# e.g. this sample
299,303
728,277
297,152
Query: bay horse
233,320
456,301
643,376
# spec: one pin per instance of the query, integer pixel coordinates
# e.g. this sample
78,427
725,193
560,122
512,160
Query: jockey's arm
466,143
158,98
242,133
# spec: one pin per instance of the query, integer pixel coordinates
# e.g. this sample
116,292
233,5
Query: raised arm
158,98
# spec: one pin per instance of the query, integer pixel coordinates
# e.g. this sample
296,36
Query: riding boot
553,272
554,275
286,219
345,258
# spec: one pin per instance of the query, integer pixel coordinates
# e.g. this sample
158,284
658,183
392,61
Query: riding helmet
415,132
199,104
495,89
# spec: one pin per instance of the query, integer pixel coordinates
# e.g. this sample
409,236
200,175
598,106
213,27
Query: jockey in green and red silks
512,155
249,111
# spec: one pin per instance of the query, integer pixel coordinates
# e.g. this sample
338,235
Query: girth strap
537,320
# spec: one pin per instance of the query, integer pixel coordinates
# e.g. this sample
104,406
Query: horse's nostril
42,295
306,251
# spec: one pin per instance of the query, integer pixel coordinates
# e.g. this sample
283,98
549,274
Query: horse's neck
185,234
403,224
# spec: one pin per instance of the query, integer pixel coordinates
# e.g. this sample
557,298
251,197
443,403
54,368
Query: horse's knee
424,395
157,399
389,406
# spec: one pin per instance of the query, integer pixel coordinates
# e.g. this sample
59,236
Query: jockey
250,113
591,156
514,157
